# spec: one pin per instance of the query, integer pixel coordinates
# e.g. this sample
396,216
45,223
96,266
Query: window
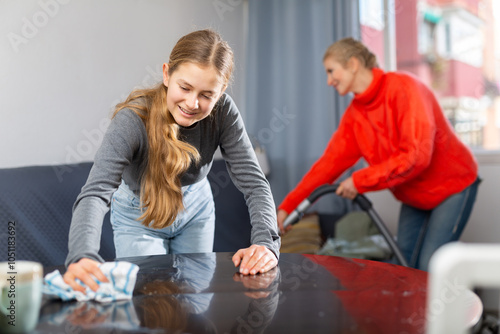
372,22
426,37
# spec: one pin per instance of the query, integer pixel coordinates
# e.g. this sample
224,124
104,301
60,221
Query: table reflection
172,295
263,290
379,295
204,293
88,317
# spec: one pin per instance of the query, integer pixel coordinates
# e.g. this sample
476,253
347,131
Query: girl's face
192,92
338,76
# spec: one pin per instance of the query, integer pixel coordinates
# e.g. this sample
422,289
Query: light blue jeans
191,232
422,232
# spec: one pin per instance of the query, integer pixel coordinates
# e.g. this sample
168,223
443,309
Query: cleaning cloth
121,276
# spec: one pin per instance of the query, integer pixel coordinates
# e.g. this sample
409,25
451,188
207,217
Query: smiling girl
396,124
153,163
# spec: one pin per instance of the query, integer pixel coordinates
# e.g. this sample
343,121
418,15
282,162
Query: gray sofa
37,201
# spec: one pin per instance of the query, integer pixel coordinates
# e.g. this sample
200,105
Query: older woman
396,124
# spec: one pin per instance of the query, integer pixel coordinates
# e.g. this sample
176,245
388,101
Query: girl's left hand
347,189
255,259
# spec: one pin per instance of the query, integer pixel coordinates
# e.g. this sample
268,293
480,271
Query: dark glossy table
204,293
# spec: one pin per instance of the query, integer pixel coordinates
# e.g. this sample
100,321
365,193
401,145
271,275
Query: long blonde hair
162,308
168,156
346,48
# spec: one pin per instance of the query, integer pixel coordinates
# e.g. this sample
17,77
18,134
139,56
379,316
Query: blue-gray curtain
290,110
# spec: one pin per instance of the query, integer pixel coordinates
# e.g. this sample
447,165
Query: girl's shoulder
225,107
128,117
226,102
128,121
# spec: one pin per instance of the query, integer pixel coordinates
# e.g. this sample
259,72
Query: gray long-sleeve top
123,155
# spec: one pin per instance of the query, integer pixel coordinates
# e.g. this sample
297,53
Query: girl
152,165
396,124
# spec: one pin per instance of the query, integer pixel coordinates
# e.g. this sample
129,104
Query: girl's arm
123,139
248,177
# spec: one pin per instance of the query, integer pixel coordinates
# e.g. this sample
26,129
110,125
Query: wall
65,64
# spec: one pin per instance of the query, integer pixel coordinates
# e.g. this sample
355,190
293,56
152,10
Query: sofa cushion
232,220
39,199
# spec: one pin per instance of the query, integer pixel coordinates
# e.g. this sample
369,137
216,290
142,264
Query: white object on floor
454,270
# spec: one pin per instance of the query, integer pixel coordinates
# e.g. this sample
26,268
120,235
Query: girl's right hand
86,270
282,214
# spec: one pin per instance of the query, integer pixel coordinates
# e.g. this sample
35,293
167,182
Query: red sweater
398,127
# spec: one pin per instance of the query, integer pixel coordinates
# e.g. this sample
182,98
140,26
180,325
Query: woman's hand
255,259
347,189
86,270
282,214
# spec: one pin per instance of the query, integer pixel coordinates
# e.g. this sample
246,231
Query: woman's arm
341,153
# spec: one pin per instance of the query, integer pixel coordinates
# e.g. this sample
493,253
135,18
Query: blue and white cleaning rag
121,276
